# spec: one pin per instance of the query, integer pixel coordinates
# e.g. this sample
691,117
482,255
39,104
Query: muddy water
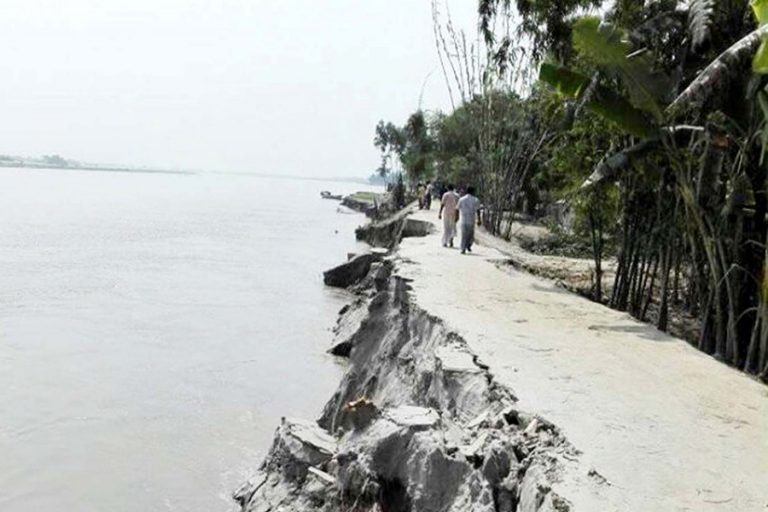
154,328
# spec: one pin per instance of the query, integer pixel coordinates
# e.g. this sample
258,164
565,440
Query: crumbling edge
417,423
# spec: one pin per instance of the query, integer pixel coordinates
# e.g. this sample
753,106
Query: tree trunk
661,321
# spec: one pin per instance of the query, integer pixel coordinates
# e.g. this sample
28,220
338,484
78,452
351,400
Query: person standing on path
468,206
450,215
428,195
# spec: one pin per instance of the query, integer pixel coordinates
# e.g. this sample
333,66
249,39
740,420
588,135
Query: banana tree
641,115
646,113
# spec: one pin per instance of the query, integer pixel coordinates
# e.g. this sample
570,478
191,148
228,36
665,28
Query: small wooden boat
327,195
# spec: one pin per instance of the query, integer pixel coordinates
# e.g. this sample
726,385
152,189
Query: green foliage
390,140
55,160
417,156
566,163
411,144
760,61
689,221
601,100
561,242
573,157
566,82
613,165
760,10
599,206
762,97
600,43
608,47
470,138
546,22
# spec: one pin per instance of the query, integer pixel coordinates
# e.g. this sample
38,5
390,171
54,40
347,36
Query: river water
153,330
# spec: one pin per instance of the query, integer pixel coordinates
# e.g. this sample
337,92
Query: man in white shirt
468,207
449,213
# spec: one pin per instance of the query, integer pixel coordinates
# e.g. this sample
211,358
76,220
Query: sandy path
669,428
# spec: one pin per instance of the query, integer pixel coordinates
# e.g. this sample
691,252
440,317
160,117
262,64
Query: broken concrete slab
456,359
414,228
309,433
474,449
322,475
351,272
412,416
341,349
386,233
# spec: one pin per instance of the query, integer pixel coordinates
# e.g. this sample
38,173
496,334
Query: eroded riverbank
417,423
476,388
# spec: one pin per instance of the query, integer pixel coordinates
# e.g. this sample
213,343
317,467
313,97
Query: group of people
463,210
456,208
424,192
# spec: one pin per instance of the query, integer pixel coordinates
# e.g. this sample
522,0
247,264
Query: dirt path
666,427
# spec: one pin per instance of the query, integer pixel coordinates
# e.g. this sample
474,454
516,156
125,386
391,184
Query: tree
391,142
706,175
55,160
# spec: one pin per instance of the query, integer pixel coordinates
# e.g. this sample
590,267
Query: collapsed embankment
417,423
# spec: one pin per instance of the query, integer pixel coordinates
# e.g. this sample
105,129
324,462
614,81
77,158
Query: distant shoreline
17,165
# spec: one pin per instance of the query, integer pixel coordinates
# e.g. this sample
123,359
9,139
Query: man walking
468,206
428,195
449,213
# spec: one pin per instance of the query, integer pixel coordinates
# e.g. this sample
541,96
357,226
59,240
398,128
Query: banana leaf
611,166
719,71
760,10
601,43
760,60
566,82
608,46
602,100
762,98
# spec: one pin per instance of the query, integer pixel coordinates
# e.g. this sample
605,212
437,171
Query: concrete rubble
351,272
390,231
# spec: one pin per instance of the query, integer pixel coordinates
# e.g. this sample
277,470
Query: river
153,330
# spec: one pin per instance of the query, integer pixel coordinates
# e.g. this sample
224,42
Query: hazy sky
283,86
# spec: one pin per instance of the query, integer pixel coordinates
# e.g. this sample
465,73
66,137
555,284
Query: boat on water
327,195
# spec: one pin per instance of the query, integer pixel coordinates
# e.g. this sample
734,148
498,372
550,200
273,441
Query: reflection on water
154,328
